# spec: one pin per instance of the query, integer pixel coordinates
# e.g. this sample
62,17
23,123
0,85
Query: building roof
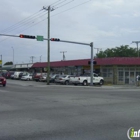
84,62
119,61
66,63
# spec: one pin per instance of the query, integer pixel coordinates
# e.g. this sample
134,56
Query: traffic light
27,36
55,39
94,62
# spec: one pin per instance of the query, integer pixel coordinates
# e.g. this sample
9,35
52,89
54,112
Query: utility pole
13,55
49,9
91,65
32,57
64,58
137,43
98,49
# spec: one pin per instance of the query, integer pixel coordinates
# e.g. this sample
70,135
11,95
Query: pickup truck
85,79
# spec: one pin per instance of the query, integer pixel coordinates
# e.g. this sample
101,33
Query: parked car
63,79
26,77
2,80
23,73
8,74
12,76
86,78
37,76
16,74
53,77
43,77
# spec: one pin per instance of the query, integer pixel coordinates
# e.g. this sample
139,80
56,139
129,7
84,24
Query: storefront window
120,75
107,72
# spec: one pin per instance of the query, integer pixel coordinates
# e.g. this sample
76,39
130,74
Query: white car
63,79
26,77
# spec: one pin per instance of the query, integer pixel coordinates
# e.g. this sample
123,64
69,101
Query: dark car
20,75
2,80
4,74
8,74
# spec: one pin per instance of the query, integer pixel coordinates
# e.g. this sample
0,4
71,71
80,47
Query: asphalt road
35,111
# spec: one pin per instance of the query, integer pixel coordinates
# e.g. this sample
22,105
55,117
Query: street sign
39,38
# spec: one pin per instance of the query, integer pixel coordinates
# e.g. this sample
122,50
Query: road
36,111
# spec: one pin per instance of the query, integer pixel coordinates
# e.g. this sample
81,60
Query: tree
122,51
8,63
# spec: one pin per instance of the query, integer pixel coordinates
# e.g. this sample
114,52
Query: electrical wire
51,16
71,8
32,20
20,22
59,3
64,4
13,27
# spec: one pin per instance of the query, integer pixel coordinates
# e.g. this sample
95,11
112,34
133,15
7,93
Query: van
16,74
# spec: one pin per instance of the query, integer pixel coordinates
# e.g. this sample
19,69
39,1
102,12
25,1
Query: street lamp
13,55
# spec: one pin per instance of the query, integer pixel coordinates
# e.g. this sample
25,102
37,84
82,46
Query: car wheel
66,82
101,82
4,85
85,83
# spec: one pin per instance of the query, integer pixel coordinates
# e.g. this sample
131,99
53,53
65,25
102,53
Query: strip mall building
116,70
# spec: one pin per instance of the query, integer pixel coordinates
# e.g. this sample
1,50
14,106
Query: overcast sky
107,23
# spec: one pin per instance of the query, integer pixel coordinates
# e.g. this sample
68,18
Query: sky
106,23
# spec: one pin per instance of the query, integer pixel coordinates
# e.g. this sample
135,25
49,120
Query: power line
26,20
72,8
20,21
54,3
51,16
64,4
30,21
59,3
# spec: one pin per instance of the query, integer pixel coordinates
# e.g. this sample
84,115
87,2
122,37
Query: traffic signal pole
58,40
48,64
91,45
91,65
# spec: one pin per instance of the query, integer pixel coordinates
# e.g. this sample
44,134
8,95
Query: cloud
107,23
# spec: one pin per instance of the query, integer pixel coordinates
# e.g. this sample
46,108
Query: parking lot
35,111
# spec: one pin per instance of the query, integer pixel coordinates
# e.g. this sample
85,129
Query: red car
2,80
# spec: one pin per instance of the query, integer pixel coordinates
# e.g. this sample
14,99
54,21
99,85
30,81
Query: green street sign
39,38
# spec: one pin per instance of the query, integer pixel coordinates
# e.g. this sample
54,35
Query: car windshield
0,75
